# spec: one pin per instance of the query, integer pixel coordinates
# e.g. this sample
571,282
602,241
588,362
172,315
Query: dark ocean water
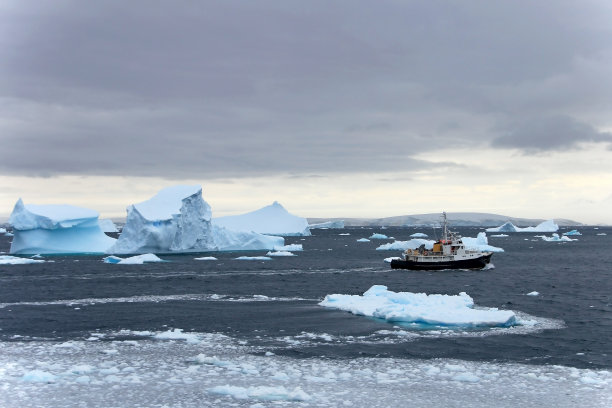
71,297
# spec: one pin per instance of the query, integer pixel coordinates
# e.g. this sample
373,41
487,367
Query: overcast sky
333,108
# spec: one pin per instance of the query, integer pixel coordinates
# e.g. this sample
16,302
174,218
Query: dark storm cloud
234,88
550,133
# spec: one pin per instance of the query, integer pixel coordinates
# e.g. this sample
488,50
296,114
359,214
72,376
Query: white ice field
181,369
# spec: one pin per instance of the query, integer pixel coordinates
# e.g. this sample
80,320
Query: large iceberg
56,229
546,226
273,219
420,308
177,219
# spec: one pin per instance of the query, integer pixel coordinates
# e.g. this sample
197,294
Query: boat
447,253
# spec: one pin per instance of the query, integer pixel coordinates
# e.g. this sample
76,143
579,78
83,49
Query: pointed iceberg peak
273,219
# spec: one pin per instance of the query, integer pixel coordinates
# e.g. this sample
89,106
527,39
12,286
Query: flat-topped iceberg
177,220
546,226
420,308
56,229
273,219
327,224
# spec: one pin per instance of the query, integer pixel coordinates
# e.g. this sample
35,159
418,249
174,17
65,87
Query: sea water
75,331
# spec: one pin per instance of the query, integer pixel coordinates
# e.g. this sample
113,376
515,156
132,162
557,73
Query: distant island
457,219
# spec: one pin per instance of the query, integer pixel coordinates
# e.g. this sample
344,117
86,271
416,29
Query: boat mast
445,230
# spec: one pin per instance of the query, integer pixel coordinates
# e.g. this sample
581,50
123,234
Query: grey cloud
549,133
234,88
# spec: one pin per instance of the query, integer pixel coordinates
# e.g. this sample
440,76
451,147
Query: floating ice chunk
378,236
177,219
363,240
500,235
254,258
546,226
280,253
418,235
206,258
273,219
290,247
572,232
404,245
388,260
262,393
177,334
327,224
420,308
133,260
2,230
15,260
534,293
601,233
480,243
556,238
56,229
39,376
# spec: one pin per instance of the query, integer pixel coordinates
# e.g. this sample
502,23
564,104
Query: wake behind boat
447,253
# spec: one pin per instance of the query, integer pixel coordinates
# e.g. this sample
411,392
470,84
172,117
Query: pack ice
273,219
546,226
56,229
177,219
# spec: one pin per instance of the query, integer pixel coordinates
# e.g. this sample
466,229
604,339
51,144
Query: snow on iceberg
420,308
133,260
177,219
480,243
273,219
546,226
418,235
280,253
56,229
328,224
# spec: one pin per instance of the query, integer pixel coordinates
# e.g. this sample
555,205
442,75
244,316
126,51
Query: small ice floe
345,233
378,236
418,235
253,258
39,376
420,308
556,238
177,334
290,247
16,260
280,253
601,233
499,235
133,260
388,260
534,293
206,258
572,232
363,240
